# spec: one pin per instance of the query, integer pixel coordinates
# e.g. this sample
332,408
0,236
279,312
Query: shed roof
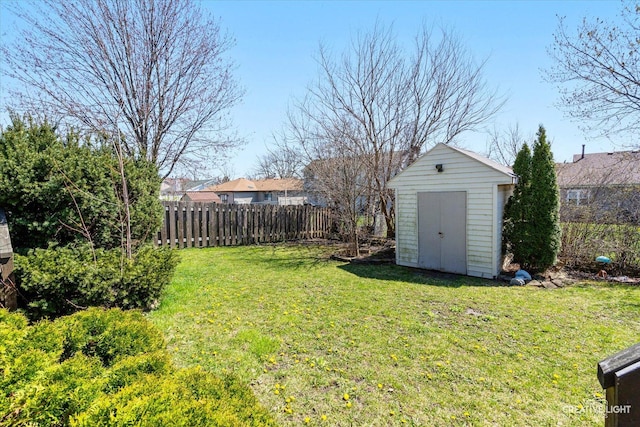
505,170
600,169
484,160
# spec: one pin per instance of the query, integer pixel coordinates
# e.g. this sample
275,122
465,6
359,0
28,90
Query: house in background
201,196
449,207
600,186
174,189
287,191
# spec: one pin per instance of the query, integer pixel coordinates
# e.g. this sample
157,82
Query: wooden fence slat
197,207
246,235
189,231
234,225
224,226
270,224
213,225
251,221
279,224
195,228
259,224
165,223
180,224
172,225
227,226
204,225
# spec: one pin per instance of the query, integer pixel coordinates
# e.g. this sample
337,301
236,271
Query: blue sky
276,42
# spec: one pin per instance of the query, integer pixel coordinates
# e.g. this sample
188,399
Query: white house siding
461,173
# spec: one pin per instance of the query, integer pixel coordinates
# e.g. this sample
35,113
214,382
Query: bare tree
385,106
503,146
282,160
334,177
597,70
152,69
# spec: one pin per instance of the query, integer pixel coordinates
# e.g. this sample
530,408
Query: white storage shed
449,207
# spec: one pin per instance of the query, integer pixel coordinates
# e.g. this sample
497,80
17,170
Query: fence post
619,375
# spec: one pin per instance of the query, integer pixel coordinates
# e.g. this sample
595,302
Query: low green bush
130,369
109,368
56,392
61,280
108,335
188,398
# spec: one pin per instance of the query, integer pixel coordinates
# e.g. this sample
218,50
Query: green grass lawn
327,343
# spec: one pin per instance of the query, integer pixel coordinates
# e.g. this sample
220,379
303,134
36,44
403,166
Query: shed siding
461,173
503,193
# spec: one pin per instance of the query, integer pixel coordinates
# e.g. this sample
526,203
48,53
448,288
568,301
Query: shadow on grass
416,275
282,256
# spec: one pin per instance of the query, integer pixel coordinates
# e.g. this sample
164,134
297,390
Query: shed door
442,229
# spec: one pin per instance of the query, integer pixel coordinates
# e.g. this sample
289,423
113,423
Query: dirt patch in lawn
373,251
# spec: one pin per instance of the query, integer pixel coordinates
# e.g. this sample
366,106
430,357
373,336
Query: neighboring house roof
201,196
237,185
600,169
289,184
244,185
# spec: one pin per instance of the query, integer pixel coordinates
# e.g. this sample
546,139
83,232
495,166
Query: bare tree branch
282,160
597,70
153,69
503,146
384,107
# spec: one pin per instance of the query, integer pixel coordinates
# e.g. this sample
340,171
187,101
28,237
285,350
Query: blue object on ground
521,274
603,259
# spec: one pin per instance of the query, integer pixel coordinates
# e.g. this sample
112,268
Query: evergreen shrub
61,280
109,368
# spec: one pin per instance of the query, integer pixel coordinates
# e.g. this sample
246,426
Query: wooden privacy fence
193,224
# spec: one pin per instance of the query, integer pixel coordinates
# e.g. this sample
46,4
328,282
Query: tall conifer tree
516,220
531,229
545,205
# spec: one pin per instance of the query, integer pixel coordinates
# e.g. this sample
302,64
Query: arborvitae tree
544,206
516,212
531,229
